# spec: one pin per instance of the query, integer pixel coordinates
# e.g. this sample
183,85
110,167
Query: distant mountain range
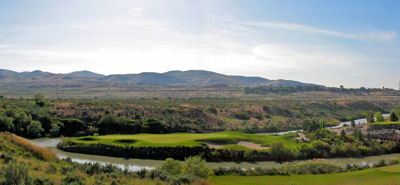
40,79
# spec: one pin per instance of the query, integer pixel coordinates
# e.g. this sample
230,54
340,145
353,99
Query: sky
352,43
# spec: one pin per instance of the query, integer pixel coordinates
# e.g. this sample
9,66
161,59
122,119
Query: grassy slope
389,175
38,167
185,139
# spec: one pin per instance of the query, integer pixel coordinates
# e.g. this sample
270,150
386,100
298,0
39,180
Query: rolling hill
198,78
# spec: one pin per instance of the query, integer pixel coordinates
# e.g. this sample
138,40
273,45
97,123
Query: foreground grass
185,139
388,175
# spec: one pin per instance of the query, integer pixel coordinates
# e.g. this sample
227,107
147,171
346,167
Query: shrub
393,116
211,110
73,178
241,115
154,126
280,152
379,117
197,167
17,174
34,129
171,167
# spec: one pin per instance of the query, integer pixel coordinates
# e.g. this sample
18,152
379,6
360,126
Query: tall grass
40,152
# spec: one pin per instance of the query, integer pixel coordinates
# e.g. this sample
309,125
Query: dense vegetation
40,117
297,89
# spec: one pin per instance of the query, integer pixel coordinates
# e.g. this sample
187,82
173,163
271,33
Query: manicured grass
389,175
387,123
184,139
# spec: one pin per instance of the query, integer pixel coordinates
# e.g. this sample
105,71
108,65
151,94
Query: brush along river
138,164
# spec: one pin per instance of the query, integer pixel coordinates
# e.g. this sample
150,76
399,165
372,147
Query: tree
353,123
370,117
152,125
280,152
358,134
71,126
393,116
312,126
379,117
34,129
55,129
343,134
6,124
211,110
171,167
39,100
195,166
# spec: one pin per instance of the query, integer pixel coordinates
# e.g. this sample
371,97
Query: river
138,164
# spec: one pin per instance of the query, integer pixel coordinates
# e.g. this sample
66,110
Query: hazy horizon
355,44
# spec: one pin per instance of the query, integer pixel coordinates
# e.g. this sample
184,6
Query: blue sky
354,43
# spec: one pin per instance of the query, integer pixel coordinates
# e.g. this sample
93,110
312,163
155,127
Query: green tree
171,167
34,129
370,117
195,166
73,179
343,134
55,129
379,117
152,125
353,123
39,100
6,124
280,152
313,125
71,126
211,110
358,134
393,116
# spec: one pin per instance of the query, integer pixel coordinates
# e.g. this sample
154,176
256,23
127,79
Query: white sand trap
242,143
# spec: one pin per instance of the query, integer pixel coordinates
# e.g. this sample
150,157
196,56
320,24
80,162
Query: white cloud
376,35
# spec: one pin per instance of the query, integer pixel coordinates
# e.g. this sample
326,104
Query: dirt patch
251,145
242,143
213,145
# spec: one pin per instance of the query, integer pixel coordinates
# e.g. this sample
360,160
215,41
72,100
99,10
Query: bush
34,129
197,167
171,167
393,116
280,153
73,178
154,126
379,117
17,174
241,115
211,110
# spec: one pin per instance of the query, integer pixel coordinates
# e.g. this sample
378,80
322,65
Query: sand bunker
247,144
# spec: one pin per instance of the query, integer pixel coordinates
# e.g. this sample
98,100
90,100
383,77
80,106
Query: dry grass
40,152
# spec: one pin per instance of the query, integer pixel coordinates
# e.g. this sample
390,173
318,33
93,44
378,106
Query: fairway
388,175
184,139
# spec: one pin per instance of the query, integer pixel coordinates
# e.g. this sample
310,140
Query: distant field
184,139
389,175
